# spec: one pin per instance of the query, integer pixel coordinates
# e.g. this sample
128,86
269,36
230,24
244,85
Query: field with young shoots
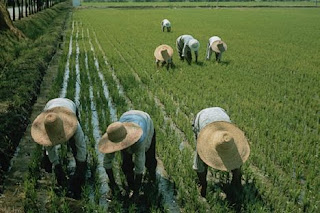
268,82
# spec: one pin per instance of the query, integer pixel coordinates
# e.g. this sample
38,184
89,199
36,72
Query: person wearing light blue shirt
133,135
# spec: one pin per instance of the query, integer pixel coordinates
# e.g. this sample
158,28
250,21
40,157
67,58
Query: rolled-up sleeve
184,50
198,164
81,145
52,154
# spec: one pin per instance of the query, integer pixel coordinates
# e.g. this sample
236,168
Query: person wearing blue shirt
133,135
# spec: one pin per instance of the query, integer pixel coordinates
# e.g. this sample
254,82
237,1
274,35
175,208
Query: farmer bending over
133,135
58,124
220,145
163,55
216,45
165,24
185,45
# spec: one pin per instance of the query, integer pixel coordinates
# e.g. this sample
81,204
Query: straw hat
194,44
54,126
219,46
223,146
163,52
119,136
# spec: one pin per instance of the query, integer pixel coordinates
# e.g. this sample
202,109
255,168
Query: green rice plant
30,203
173,5
265,103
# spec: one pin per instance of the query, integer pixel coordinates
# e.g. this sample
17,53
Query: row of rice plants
116,204
145,101
239,104
213,198
56,200
182,121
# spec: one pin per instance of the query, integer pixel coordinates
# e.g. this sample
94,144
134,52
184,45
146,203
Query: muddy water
166,189
78,81
114,76
112,109
67,68
96,134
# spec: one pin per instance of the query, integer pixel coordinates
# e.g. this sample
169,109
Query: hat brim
214,46
222,161
70,124
157,52
134,132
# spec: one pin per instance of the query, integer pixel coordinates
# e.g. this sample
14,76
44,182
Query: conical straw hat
223,146
119,136
54,126
163,52
219,46
194,44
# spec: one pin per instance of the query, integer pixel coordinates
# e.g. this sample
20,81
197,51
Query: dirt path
12,198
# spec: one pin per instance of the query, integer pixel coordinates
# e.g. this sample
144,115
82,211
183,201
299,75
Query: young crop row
260,94
111,72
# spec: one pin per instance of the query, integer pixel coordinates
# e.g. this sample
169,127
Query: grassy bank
22,66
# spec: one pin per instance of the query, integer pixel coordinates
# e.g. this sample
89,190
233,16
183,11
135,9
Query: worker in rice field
220,145
56,125
134,135
163,55
216,45
165,24
185,45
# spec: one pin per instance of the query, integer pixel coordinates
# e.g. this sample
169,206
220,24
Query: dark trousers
151,161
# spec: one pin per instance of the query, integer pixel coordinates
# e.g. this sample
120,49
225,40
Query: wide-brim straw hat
119,136
223,146
219,46
54,126
163,52
194,44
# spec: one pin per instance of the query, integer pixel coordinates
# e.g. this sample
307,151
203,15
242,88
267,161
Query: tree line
28,7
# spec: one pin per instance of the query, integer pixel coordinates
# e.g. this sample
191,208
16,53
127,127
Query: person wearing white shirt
216,45
185,45
219,144
165,24
58,124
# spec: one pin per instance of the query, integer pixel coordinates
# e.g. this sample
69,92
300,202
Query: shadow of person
224,63
240,198
200,63
148,200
